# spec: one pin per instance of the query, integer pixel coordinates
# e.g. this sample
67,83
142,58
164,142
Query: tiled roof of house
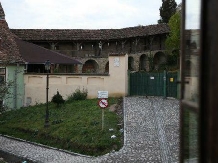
9,52
2,13
89,34
34,54
14,50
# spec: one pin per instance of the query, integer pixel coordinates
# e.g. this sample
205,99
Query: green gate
171,84
153,84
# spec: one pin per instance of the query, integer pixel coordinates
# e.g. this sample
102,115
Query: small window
2,79
2,71
2,75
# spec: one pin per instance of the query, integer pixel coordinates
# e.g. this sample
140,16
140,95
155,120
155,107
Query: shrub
78,95
57,99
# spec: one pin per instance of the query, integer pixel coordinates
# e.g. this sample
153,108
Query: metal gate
153,84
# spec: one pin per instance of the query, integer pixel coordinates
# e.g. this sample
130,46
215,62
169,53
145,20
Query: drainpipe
128,72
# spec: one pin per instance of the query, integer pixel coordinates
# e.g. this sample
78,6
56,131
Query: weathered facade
10,69
14,56
143,44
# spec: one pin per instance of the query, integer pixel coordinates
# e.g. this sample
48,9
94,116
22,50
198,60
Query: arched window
159,59
142,63
130,63
107,67
90,66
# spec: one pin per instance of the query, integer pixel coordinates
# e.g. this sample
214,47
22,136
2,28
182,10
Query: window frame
185,104
208,84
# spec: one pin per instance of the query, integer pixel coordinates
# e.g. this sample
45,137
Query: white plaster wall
115,83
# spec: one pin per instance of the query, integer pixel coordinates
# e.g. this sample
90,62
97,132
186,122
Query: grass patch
74,126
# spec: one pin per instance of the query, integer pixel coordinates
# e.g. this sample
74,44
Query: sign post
103,103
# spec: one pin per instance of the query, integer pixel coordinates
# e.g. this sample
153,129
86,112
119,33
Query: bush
78,95
57,99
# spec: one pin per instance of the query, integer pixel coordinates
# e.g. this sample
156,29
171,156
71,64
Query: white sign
116,62
151,77
102,94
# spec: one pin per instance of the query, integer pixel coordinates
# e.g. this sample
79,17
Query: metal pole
165,84
47,112
102,119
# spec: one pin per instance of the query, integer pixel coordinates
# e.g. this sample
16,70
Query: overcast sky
80,14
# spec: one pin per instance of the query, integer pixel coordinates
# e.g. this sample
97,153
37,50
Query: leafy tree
172,42
4,93
167,9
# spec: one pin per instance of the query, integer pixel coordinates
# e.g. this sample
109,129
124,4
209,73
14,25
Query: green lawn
75,126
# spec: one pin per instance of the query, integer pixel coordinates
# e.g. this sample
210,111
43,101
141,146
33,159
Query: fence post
128,72
165,84
178,86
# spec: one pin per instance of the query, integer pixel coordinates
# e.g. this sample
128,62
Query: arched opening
142,64
90,66
159,60
130,63
107,67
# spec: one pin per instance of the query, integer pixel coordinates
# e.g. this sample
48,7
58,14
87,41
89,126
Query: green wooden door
152,84
172,84
146,84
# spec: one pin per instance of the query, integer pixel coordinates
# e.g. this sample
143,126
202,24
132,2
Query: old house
92,47
104,55
18,57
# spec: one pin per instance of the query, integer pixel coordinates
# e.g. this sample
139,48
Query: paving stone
151,135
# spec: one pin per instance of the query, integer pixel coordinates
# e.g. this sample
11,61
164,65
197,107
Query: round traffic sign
103,103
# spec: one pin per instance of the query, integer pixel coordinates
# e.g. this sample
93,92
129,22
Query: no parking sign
103,103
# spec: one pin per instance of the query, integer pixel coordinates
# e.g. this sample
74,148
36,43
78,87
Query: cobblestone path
151,135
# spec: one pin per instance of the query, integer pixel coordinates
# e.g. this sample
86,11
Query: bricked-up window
2,80
2,75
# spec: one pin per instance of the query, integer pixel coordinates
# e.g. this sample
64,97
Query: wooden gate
153,84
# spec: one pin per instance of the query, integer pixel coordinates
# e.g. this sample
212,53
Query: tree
4,93
167,9
172,42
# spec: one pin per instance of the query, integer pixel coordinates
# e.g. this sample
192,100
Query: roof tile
89,34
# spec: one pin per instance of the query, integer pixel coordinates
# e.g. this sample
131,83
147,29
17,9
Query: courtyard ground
151,134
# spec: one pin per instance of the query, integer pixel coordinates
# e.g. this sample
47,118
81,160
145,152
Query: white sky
80,14
193,14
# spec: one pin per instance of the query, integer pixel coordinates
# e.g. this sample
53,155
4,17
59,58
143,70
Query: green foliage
172,59
78,95
173,40
4,93
167,9
57,99
76,128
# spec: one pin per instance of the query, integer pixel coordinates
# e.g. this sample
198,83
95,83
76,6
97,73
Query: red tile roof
88,34
13,50
9,52
2,13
